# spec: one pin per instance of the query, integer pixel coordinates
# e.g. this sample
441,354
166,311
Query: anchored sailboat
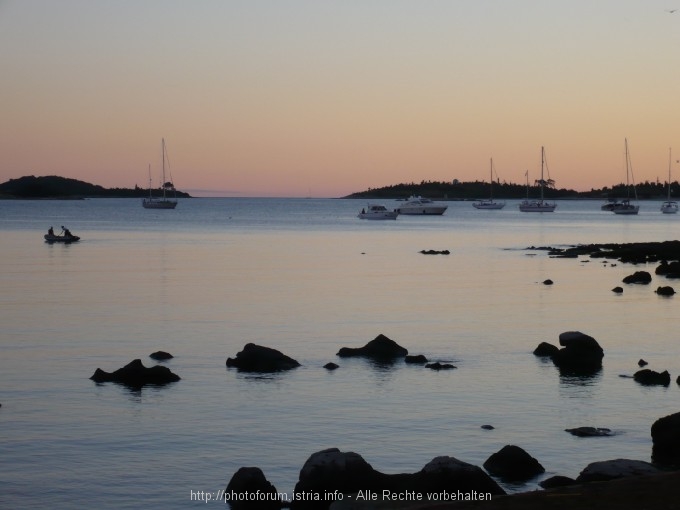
538,205
163,202
489,203
669,206
625,207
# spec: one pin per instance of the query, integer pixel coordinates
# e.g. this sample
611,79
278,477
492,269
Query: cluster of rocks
136,375
257,358
580,353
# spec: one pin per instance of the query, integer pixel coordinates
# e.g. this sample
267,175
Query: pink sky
299,98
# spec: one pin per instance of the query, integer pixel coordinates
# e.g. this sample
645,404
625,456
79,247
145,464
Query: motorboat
65,236
377,212
539,205
625,207
489,203
421,205
610,204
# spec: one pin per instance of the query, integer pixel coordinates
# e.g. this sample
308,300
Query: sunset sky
323,98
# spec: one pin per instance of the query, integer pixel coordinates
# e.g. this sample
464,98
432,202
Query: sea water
306,277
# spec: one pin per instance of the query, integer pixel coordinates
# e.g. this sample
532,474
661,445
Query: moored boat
624,206
65,237
489,203
377,212
421,205
669,206
162,202
539,205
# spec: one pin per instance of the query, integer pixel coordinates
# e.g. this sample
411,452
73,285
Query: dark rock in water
677,381
380,347
331,366
418,359
666,441
251,480
435,252
547,282
136,375
256,358
581,353
545,349
665,291
557,481
511,463
589,432
642,277
488,427
161,355
440,366
668,269
617,290
650,377
347,472
642,363
613,469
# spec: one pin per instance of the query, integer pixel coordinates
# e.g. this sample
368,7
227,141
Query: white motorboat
163,201
610,204
489,203
539,205
624,206
377,212
421,205
669,206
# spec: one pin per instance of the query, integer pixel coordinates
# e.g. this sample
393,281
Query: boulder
487,427
161,356
613,469
650,377
641,277
348,473
511,463
580,354
642,363
546,350
381,348
548,282
665,290
668,269
248,481
256,358
136,375
666,440
589,432
557,481
435,252
418,359
617,290
440,366
331,366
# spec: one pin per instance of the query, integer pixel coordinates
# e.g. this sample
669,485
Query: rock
418,359
669,270
581,353
642,363
547,282
488,427
256,358
136,375
440,366
666,440
613,469
331,366
650,377
617,290
589,432
161,355
347,472
435,252
546,350
665,291
512,463
250,480
380,347
641,277
557,481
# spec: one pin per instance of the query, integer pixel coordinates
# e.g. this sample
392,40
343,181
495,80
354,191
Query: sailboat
489,203
669,206
163,202
538,205
624,206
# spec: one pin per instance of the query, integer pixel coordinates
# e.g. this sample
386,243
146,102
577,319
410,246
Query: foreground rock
580,354
651,378
135,374
511,463
665,291
613,469
666,440
251,481
256,358
331,470
380,348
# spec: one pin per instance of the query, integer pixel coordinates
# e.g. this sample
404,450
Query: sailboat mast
542,161
669,173
163,165
491,180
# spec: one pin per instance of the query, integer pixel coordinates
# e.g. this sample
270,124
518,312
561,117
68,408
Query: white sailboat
162,202
624,206
669,206
489,203
538,205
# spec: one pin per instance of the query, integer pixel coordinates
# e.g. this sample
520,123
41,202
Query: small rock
161,355
557,481
618,290
440,366
665,291
416,359
546,350
547,282
642,363
512,463
589,432
488,427
641,277
331,366
649,377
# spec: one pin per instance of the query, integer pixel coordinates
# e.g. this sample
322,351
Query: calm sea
307,277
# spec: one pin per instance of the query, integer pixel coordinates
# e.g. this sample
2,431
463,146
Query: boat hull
488,205
669,207
158,204
633,209
389,215
61,239
433,210
537,207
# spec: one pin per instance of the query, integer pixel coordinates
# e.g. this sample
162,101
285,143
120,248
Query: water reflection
579,385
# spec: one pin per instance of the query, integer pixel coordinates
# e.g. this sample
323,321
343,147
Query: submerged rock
418,359
589,432
618,290
331,366
440,366
135,374
161,355
650,377
380,347
512,463
256,358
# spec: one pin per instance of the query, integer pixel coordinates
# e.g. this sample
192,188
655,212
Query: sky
297,98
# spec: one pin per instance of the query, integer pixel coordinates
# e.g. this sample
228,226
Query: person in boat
67,232
50,231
